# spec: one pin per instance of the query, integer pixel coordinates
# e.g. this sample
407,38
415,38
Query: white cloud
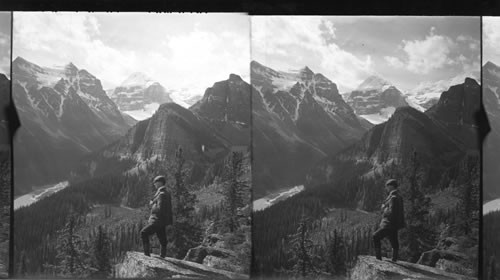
71,37
394,61
4,41
5,54
491,39
284,42
429,54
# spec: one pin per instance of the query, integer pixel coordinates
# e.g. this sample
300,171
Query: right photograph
491,147
366,152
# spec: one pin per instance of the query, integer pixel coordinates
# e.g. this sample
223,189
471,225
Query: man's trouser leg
377,237
145,233
162,237
393,238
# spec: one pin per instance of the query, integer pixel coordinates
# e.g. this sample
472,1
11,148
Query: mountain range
64,114
298,118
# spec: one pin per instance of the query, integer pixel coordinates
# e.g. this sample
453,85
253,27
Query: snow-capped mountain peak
374,83
137,79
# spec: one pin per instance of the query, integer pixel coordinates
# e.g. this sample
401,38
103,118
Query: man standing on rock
160,218
392,220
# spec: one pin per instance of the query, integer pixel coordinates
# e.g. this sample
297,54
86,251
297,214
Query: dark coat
161,209
393,215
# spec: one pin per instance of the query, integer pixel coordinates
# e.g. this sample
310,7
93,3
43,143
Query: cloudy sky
179,50
5,20
407,51
491,40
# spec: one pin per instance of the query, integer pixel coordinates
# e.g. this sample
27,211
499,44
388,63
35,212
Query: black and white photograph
365,146
5,150
491,148
133,155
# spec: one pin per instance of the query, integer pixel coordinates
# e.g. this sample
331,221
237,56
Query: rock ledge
136,265
369,268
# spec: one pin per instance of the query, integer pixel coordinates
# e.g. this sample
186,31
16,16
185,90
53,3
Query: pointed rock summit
137,79
374,82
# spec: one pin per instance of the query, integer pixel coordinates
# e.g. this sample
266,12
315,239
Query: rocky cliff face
64,114
136,265
298,118
369,268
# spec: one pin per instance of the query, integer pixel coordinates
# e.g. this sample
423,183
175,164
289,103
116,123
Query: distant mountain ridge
298,118
64,113
426,94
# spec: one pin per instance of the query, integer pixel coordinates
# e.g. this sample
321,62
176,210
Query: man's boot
395,253
145,245
163,251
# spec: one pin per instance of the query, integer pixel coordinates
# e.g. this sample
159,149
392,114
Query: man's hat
392,182
160,179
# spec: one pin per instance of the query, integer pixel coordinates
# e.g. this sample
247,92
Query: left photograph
133,156
5,151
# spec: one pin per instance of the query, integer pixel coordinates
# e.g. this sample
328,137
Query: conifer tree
71,254
186,232
236,190
301,255
101,253
336,254
491,273
417,235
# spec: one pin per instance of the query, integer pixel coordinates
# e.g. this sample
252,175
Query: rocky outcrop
449,256
198,254
214,257
369,268
136,265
